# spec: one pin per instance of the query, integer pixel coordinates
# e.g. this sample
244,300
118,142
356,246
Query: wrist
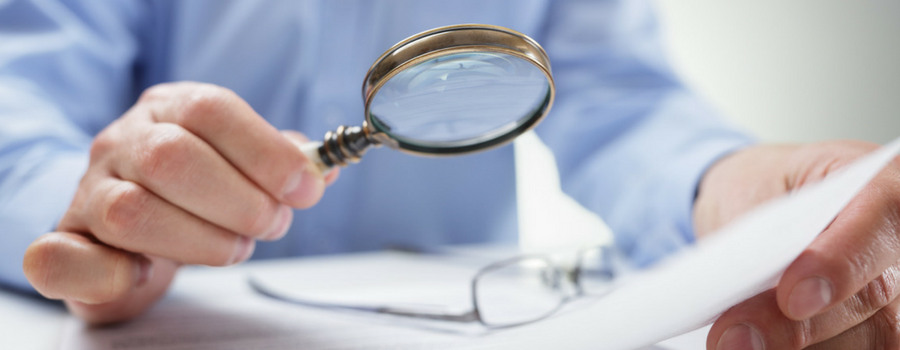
739,181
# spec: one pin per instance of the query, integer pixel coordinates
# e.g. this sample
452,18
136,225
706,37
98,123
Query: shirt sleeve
62,68
631,141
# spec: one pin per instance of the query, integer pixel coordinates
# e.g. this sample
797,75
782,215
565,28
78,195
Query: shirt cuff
682,190
33,198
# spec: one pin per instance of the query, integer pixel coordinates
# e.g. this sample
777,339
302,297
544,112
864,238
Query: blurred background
792,71
788,71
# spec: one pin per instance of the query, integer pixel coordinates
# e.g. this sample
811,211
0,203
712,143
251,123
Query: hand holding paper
743,259
845,281
747,256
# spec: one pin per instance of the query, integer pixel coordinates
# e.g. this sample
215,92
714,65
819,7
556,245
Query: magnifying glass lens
459,99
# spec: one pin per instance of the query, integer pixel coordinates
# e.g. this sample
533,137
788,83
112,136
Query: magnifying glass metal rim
348,144
465,38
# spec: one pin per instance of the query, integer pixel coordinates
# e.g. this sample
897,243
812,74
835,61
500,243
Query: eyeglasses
507,293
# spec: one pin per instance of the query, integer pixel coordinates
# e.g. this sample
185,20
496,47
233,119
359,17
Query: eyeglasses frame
473,315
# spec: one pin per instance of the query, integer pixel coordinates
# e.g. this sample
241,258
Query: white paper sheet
215,309
696,286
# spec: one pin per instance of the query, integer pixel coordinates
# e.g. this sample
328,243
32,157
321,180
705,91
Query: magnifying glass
447,91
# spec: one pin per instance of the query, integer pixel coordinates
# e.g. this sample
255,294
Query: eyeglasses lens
595,272
522,291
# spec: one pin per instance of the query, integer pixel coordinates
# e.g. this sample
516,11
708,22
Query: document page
697,285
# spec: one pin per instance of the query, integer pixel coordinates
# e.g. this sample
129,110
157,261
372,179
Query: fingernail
243,250
144,271
740,337
280,225
809,297
304,186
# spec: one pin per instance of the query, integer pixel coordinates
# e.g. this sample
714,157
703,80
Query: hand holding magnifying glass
167,167
451,90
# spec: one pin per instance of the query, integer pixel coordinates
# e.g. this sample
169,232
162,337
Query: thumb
132,304
99,283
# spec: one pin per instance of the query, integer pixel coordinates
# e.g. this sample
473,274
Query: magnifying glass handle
340,148
311,150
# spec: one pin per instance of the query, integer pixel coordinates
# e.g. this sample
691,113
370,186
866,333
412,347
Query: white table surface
28,322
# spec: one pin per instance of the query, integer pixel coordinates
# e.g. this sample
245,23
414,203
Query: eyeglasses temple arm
468,316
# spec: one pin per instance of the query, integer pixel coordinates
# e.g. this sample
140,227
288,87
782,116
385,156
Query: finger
760,321
128,216
881,331
69,266
855,249
298,140
225,121
185,171
132,304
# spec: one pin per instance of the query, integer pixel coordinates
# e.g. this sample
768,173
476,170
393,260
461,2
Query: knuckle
205,103
878,293
155,93
167,91
801,334
123,211
103,144
162,152
887,327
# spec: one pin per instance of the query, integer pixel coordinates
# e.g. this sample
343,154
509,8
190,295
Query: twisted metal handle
341,147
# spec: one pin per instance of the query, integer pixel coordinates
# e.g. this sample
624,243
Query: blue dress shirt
630,140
